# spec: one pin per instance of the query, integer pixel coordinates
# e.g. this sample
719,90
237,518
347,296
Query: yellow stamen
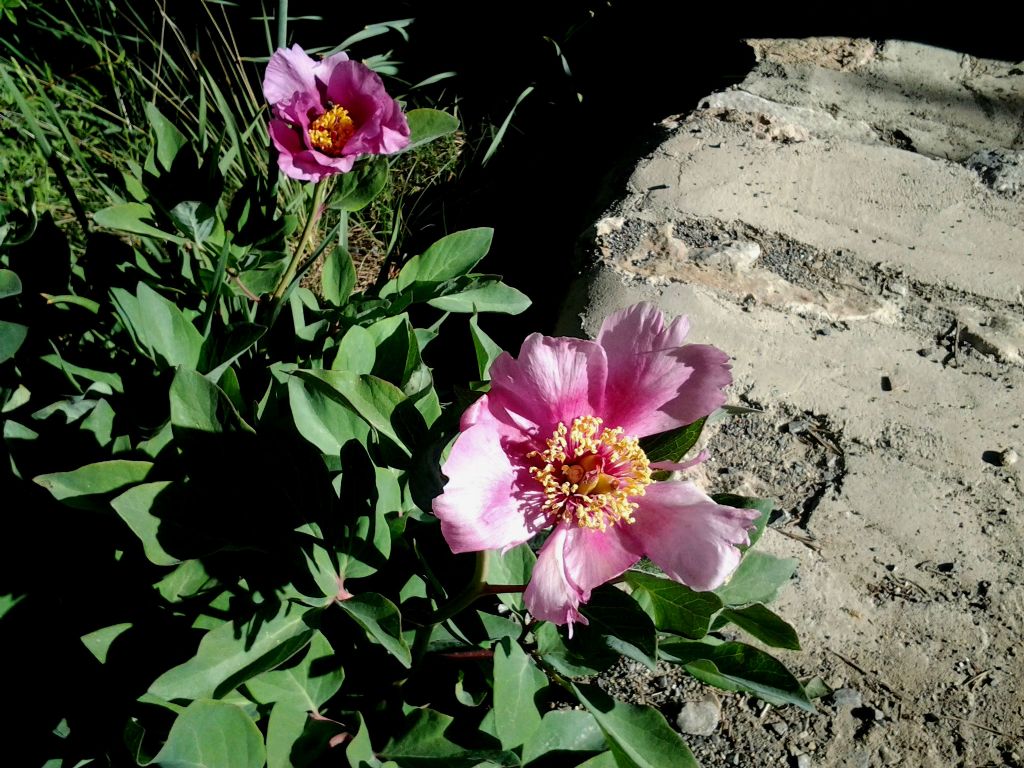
331,130
590,474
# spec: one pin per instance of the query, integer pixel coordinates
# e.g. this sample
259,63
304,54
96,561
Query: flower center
589,474
331,130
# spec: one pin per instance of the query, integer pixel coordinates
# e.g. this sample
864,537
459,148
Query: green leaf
359,751
604,760
134,507
128,217
284,727
448,258
230,655
12,336
98,643
382,621
100,422
564,731
10,284
322,418
375,400
357,351
169,140
512,567
622,623
305,686
199,405
212,734
159,327
358,188
187,580
103,477
639,737
673,607
488,295
674,444
738,667
767,626
573,658
517,680
338,277
424,744
758,579
484,347
195,219
425,125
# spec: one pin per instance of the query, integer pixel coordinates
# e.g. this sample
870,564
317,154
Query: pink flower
328,113
555,444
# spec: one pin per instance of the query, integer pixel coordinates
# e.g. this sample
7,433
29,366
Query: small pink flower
328,113
555,444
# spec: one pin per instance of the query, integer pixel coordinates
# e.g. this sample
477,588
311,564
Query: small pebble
780,728
1008,458
700,718
803,761
846,698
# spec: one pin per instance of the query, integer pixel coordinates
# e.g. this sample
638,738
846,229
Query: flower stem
307,232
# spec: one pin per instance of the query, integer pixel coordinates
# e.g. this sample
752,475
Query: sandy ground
848,223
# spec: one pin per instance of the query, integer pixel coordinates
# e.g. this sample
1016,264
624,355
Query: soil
868,288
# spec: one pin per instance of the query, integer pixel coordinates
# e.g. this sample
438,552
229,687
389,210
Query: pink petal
594,557
381,128
550,596
289,71
688,535
679,466
654,384
322,69
554,380
490,500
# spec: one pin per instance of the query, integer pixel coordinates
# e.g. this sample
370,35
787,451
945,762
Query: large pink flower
328,113
555,443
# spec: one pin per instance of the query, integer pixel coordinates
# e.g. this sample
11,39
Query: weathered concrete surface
831,224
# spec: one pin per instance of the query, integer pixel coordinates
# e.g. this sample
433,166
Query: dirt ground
847,245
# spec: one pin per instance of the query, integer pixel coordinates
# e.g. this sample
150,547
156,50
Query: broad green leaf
285,725
338,277
100,422
199,405
7,602
195,219
128,217
382,621
230,655
10,283
186,580
167,331
604,760
92,479
516,682
424,744
12,336
512,567
768,627
134,507
572,658
375,400
169,140
448,258
673,607
425,125
738,667
489,295
212,734
757,580
484,347
622,623
639,737
307,685
674,444
358,188
322,418
75,372
564,731
98,643
357,351
359,751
